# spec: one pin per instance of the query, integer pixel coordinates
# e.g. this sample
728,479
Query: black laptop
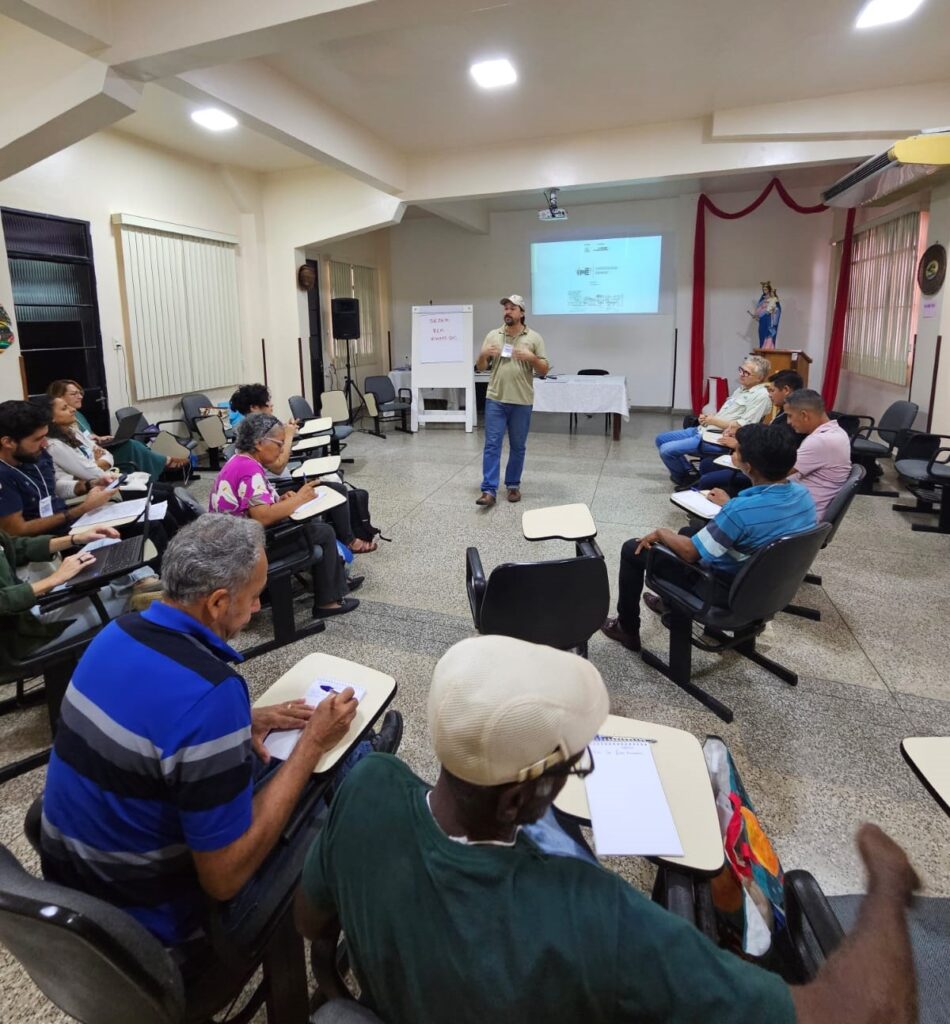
121,557
125,431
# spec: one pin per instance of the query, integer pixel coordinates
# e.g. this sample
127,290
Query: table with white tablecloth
580,393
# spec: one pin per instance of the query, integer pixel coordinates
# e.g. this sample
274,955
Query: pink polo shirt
823,463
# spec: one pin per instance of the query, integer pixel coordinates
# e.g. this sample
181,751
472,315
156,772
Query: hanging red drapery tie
697,362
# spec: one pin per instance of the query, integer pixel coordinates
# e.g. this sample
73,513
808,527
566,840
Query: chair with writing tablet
561,603
767,581
382,390
333,404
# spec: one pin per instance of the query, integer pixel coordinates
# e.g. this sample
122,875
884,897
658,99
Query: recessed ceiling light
883,12
213,119
490,74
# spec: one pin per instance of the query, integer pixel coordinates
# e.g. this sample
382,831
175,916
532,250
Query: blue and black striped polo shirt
152,759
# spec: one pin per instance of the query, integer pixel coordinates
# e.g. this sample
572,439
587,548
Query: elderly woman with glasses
749,403
242,489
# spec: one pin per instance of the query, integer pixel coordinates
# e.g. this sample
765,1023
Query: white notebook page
628,808
280,742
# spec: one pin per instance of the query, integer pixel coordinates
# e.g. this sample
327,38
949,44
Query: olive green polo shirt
511,380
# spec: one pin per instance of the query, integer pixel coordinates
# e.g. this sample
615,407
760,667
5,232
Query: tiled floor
817,759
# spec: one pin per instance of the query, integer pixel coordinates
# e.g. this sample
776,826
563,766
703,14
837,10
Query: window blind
355,282
881,304
181,295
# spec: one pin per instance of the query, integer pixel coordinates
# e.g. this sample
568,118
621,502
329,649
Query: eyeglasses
274,440
743,372
554,764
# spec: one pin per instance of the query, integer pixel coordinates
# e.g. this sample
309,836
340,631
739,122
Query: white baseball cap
515,300
504,710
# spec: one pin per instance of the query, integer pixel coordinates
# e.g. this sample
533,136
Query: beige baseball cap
503,710
515,300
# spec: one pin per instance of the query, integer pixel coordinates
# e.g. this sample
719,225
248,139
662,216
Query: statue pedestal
786,359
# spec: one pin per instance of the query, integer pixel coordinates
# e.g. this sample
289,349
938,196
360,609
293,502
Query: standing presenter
515,354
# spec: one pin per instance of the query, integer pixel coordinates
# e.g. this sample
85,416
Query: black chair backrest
917,445
560,603
191,406
841,502
770,579
300,408
94,961
593,373
123,414
382,388
849,423
898,417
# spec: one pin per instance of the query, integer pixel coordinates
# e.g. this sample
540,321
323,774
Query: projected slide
612,275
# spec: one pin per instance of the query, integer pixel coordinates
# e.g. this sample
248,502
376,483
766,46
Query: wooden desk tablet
321,425
562,522
326,498
682,769
318,467
929,756
380,690
304,445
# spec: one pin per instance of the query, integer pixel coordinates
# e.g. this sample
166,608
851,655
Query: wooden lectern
786,359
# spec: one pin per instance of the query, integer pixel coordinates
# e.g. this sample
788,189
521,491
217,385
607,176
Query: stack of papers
112,511
281,742
629,811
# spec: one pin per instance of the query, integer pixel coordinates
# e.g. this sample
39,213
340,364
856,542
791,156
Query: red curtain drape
698,330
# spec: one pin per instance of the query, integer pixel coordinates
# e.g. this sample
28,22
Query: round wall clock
932,269
306,277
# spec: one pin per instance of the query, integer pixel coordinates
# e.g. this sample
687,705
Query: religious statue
768,312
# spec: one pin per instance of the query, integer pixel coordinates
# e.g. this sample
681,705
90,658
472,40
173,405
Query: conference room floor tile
817,758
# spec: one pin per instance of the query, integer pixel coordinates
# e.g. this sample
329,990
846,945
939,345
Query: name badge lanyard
46,504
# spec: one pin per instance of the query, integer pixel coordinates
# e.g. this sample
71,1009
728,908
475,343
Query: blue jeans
499,417
675,445
548,834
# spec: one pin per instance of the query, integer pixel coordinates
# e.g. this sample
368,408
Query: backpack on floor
359,515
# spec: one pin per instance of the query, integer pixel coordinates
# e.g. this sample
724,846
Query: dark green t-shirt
442,932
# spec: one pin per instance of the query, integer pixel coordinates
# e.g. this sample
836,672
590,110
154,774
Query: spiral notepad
628,808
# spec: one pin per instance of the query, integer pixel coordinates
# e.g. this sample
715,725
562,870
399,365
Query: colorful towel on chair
748,892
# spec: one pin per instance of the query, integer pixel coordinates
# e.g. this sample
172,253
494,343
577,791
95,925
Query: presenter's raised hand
493,351
523,355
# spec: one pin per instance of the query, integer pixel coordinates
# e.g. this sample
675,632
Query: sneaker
387,740
514,494
614,631
486,500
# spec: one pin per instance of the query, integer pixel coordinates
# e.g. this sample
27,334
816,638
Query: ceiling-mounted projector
553,212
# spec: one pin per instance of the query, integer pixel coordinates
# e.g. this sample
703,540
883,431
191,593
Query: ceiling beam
267,102
876,113
84,25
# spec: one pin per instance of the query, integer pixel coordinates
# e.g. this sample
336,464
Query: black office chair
208,429
55,664
381,388
834,514
897,421
289,554
924,467
560,603
119,972
572,421
766,583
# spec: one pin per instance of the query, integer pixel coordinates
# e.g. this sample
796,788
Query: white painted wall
938,230
433,260
112,173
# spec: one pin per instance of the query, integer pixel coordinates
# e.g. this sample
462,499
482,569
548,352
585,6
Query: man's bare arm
870,978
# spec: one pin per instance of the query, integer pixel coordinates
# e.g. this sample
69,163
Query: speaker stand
349,386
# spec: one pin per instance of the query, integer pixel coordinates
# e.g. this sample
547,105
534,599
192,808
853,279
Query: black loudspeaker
346,318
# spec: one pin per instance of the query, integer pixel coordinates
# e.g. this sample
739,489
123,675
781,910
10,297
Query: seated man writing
29,502
747,404
454,911
159,793
824,454
771,508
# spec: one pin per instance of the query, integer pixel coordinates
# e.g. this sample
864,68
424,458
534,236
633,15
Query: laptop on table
120,557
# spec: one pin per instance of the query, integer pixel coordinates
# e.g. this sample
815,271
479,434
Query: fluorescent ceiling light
884,12
213,119
490,74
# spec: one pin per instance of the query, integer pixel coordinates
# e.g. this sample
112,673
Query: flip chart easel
442,358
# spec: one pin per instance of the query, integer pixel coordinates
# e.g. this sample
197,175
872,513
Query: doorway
56,306
315,339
